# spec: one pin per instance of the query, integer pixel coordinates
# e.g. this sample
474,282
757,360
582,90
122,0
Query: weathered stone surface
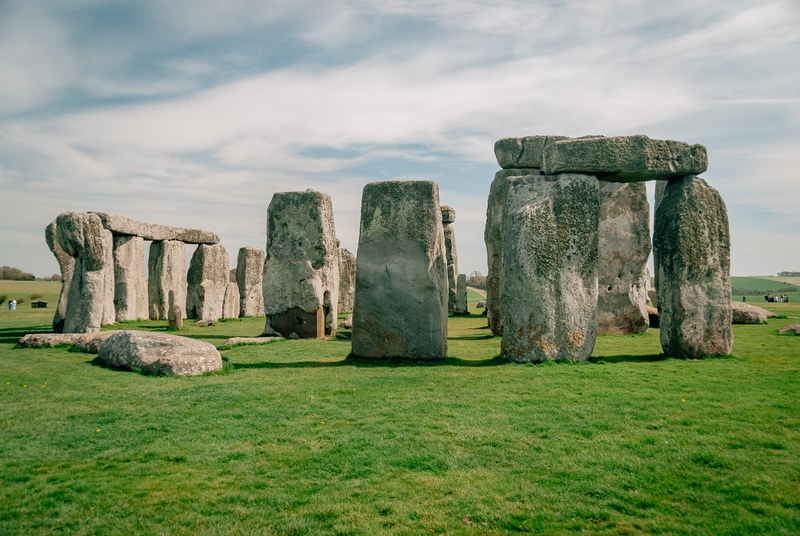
154,231
85,342
347,323
401,277
653,295
251,340
481,304
452,283
347,279
549,277
493,237
522,152
461,296
158,353
452,264
175,317
249,273
230,303
791,328
652,316
623,250
745,313
67,265
90,303
625,158
208,278
301,271
448,214
130,283
166,268
692,244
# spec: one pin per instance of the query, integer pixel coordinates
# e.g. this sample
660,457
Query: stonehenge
401,276
301,270
461,296
166,279
249,273
347,279
66,264
448,218
207,282
230,302
130,284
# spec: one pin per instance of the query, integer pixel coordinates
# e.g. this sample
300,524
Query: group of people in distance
783,298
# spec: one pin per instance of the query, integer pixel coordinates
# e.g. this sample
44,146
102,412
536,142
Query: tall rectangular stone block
401,278
166,268
461,295
130,283
207,280
347,279
249,278
66,264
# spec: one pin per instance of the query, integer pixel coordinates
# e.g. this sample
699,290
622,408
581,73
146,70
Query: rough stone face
493,237
230,303
158,353
85,342
175,317
249,273
692,244
208,278
452,263
481,304
448,214
401,277
130,284
791,328
166,267
549,277
745,313
347,279
67,265
653,295
90,303
301,271
623,250
347,323
251,340
461,296
522,152
625,158
154,231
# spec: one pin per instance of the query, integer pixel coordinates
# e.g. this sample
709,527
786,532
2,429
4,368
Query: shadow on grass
367,362
13,335
628,358
471,338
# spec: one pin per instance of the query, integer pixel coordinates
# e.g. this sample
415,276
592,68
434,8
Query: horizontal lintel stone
154,231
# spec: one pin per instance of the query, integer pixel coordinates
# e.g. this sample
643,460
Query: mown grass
294,437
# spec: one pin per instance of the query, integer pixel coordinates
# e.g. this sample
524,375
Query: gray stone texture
66,264
493,237
154,231
746,313
347,279
793,329
549,271
90,302
130,283
159,353
85,342
692,244
207,279
230,303
448,218
625,158
623,250
401,277
175,317
448,214
301,271
166,269
249,278
461,296
522,152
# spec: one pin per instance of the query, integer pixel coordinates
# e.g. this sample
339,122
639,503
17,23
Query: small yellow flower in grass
8,383
322,422
24,384
683,400
91,508
98,430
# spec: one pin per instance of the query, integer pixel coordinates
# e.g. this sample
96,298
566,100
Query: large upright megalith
692,245
461,295
130,284
301,271
166,269
249,273
347,279
90,303
207,280
401,279
448,218
67,265
549,270
231,302
623,249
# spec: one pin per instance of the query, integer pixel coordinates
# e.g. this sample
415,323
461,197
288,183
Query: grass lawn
293,437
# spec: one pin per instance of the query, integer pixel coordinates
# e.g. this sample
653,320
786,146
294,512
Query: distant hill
758,286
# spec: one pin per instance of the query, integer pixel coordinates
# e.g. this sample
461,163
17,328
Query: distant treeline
738,291
9,273
788,274
477,280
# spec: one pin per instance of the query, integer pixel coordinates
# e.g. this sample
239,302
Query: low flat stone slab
624,158
158,353
522,152
86,342
791,328
251,340
745,313
155,231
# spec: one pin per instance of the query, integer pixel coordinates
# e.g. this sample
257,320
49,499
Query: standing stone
347,279
549,270
301,271
461,296
401,278
230,304
175,315
661,188
448,218
82,236
67,265
623,249
493,237
130,284
249,273
692,245
166,269
208,278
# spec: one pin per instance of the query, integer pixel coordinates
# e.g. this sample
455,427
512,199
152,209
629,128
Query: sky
194,113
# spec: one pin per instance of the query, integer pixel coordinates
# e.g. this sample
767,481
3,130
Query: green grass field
765,284
294,437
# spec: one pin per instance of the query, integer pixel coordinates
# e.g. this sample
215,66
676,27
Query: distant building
38,304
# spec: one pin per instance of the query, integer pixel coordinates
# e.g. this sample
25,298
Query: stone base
296,320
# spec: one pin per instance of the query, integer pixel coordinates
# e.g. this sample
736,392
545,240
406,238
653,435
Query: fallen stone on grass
347,323
158,353
481,304
205,323
791,328
251,340
745,313
86,342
